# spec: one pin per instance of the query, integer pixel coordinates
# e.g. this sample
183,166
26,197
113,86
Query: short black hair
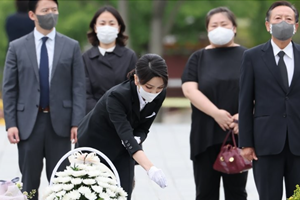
92,35
224,10
32,4
22,6
150,66
282,3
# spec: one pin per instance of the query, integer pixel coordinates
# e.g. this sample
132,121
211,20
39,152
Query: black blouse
217,73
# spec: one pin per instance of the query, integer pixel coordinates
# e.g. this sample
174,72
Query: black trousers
269,172
207,179
42,143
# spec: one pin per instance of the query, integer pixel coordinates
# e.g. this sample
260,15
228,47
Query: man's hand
74,134
13,135
249,153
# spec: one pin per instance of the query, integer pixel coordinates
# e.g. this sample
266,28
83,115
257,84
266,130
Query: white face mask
107,34
220,36
147,96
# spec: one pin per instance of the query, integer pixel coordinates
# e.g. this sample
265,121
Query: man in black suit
43,93
19,23
269,107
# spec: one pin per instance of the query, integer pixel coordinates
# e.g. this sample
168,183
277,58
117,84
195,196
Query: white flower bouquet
11,190
85,179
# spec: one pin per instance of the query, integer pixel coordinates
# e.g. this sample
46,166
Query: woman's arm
154,173
200,101
141,158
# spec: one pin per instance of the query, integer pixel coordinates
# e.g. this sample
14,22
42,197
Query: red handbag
229,160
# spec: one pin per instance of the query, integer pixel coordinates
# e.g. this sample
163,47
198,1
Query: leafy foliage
296,195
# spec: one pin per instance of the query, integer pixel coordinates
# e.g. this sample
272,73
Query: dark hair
92,35
32,4
150,66
22,6
224,10
282,3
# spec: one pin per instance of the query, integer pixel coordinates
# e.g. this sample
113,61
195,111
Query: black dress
217,73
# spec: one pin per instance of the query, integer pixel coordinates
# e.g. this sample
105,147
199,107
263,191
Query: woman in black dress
120,121
108,61
211,82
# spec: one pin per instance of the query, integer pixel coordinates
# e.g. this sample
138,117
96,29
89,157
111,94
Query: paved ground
167,147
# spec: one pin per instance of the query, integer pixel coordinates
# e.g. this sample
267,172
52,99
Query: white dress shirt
288,58
50,47
102,50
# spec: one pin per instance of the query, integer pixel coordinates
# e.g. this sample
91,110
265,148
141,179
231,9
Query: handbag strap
232,135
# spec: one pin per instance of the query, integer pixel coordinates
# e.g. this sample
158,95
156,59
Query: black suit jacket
265,124
18,25
116,118
104,72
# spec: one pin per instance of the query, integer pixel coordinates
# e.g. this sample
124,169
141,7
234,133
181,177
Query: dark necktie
44,75
283,69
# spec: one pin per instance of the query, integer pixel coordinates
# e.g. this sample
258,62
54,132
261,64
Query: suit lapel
32,54
269,59
296,66
58,47
148,110
135,100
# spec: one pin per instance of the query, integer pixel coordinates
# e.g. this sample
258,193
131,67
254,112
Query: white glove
158,176
138,139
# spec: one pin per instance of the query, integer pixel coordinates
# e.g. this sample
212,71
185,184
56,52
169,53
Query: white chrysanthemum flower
82,167
51,197
89,181
74,194
112,181
97,189
84,190
76,181
104,195
121,198
92,178
92,168
104,185
110,193
61,174
57,187
68,187
67,197
55,180
113,188
47,192
94,173
69,171
79,173
66,179
61,193
91,196
121,192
